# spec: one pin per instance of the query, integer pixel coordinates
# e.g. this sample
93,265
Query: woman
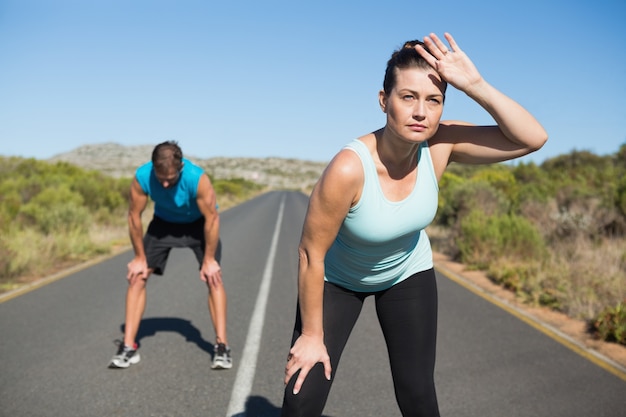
364,230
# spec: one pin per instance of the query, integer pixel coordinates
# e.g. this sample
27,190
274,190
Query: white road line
247,365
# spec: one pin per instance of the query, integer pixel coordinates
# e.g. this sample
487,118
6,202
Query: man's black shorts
162,236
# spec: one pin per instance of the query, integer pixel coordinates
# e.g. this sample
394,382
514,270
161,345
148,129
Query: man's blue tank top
176,204
382,242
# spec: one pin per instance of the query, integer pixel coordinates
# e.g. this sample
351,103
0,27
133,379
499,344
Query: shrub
10,203
234,187
446,210
101,192
583,175
57,210
6,255
620,196
501,178
534,184
464,196
484,239
610,325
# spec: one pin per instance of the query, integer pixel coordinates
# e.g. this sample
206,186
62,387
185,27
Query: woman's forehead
416,73
418,78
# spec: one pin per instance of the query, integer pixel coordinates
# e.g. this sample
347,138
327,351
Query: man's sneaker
221,357
125,357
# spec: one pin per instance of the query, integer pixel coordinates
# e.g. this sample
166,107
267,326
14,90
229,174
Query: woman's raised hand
452,64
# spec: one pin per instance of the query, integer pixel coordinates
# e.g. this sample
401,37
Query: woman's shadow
260,407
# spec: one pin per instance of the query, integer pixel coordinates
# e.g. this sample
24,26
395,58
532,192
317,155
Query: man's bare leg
135,307
217,308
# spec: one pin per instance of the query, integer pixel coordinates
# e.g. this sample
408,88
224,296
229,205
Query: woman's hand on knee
303,356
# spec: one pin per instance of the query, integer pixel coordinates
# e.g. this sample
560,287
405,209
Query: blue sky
292,79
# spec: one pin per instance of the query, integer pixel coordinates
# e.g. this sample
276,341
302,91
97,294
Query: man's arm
210,271
138,267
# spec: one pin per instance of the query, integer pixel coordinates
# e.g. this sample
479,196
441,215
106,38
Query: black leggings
407,313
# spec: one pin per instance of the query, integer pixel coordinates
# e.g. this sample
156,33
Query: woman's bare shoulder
345,167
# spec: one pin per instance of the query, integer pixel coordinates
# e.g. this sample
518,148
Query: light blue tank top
176,204
382,242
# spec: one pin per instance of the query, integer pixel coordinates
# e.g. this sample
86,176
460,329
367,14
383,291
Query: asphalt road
56,342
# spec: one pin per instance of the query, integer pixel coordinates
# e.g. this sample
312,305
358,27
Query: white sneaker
125,357
221,357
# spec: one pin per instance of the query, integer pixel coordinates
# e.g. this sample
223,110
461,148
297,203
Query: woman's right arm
332,197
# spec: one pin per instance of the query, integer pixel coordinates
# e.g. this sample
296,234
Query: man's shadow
255,405
151,326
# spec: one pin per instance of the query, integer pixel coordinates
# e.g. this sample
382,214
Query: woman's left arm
517,132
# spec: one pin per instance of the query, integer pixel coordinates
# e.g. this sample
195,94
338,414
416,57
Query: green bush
610,325
101,192
10,203
461,197
6,256
234,187
447,210
47,214
56,210
484,239
581,174
620,195
501,178
533,182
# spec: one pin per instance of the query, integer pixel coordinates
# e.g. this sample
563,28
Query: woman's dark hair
167,154
405,57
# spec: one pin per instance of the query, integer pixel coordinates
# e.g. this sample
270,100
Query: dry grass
581,277
588,276
34,256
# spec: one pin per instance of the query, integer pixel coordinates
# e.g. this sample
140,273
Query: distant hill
121,161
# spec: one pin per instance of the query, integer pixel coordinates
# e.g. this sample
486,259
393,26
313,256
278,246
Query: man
185,215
